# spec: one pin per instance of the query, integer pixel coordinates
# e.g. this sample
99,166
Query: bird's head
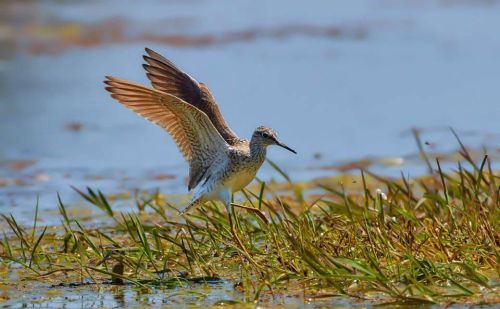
267,136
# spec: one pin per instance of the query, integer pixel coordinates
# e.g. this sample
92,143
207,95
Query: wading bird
220,162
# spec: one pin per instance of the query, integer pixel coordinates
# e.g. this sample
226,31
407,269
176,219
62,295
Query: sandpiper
220,162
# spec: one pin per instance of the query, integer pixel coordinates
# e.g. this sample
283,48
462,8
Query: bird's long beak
285,146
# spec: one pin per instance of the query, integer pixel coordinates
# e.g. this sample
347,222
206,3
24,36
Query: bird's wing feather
166,77
193,132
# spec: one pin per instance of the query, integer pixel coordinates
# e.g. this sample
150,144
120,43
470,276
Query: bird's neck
257,149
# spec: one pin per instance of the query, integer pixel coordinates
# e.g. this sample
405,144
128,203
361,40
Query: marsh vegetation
372,239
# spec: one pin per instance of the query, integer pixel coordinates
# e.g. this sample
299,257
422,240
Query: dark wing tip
149,58
149,52
152,54
110,79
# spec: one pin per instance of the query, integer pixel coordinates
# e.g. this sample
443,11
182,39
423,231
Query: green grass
431,239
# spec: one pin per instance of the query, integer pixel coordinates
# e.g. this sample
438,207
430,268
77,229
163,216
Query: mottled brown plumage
219,161
166,77
191,129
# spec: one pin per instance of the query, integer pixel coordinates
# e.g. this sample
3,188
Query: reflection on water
339,81
105,296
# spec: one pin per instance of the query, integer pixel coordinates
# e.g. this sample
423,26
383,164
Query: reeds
430,239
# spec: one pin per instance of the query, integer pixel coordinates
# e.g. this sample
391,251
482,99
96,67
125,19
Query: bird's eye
265,135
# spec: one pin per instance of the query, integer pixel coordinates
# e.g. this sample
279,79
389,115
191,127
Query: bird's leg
259,213
193,203
229,209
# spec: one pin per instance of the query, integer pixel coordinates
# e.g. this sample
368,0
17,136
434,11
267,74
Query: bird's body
234,173
244,165
220,162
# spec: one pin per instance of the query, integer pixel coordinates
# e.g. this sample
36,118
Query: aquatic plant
430,239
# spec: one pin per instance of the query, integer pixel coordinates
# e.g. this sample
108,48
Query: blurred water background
341,81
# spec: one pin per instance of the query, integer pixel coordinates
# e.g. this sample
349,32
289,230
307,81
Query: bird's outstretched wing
193,132
166,77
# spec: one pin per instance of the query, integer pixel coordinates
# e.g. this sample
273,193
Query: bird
220,162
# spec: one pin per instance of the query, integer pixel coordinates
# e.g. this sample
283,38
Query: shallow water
338,81
113,296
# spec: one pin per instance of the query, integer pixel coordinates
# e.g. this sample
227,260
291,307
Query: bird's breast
242,167
240,179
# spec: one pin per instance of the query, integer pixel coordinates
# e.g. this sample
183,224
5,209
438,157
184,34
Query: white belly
240,180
